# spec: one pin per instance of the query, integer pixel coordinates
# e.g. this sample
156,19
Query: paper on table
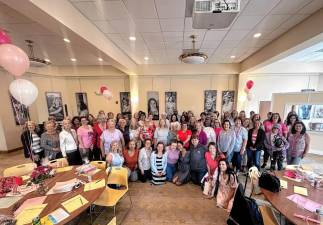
28,214
94,185
300,190
58,215
74,203
61,187
6,202
30,202
64,169
308,204
284,184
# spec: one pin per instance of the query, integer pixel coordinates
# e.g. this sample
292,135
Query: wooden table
54,201
286,207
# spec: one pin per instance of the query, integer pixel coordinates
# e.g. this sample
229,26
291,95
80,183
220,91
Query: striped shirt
159,166
35,145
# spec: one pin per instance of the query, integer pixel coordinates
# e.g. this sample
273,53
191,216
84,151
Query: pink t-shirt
268,125
86,136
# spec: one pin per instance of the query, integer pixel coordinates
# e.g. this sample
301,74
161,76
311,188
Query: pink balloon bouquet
4,37
13,59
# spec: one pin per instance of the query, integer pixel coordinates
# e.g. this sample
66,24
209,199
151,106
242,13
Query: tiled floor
157,205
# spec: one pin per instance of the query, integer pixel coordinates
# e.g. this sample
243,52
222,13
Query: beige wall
189,88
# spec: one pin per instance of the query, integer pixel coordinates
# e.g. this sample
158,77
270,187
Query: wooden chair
102,165
268,215
110,197
57,163
20,170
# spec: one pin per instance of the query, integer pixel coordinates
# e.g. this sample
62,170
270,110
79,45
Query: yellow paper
46,221
74,203
94,185
28,214
25,177
113,221
64,169
284,184
300,190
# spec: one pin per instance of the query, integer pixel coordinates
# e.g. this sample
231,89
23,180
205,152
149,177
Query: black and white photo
210,101
318,112
125,103
82,104
304,112
153,104
170,102
20,111
55,105
227,101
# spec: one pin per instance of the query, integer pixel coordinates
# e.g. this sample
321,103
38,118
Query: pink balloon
4,38
249,84
13,59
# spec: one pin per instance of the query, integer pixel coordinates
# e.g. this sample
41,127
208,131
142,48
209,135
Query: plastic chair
99,164
268,215
113,221
57,163
20,170
110,197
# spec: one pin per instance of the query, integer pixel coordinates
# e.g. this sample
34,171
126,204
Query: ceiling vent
193,56
34,61
214,14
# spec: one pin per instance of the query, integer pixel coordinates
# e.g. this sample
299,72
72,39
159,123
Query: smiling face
67,124
298,127
31,126
195,141
223,166
275,118
132,145
237,123
226,125
114,147
212,149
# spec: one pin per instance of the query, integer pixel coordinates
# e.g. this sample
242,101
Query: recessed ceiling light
73,59
100,59
66,40
146,58
257,35
132,38
233,57
47,60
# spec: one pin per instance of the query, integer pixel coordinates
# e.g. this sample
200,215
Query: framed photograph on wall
55,105
227,101
318,112
153,104
20,111
82,104
125,103
210,100
170,102
304,112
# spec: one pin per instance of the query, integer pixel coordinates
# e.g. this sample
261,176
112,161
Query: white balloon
107,94
250,96
23,91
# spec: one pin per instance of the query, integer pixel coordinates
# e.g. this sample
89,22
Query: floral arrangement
40,174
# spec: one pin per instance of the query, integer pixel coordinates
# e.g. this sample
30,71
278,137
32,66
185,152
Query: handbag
269,182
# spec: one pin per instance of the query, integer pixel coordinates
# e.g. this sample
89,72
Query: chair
110,197
20,170
268,215
99,164
57,163
113,221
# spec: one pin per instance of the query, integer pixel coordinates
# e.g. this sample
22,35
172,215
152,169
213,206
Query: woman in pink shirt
217,127
268,125
85,137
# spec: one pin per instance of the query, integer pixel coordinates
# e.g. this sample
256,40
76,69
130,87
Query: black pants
277,158
146,176
266,156
74,158
95,154
197,176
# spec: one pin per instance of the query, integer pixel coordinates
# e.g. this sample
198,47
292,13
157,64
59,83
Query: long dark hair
160,143
229,172
290,116
272,117
296,123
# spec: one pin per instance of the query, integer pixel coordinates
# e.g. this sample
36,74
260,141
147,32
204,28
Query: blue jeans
229,157
293,160
236,160
253,158
170,171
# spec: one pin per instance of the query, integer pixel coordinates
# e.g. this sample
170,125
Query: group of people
210,149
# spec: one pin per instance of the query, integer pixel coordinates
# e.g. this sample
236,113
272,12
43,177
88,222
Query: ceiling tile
199,35
229,44
289,7
259,7
152,37
210,44
170,8
173,36
271,22
141,9
172,24
294,20
189,45
215,35
156,45
105,27
246,22
311,7
174,45
123,26
276,33
236,35
147,25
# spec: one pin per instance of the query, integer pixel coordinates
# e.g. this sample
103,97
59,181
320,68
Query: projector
214,14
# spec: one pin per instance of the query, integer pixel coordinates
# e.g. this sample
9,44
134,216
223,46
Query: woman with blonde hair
161,132
108,136
114,157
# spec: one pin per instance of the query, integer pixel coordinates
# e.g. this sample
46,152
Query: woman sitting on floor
144,161
182,175
158,162
131,160
225,185
114,157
